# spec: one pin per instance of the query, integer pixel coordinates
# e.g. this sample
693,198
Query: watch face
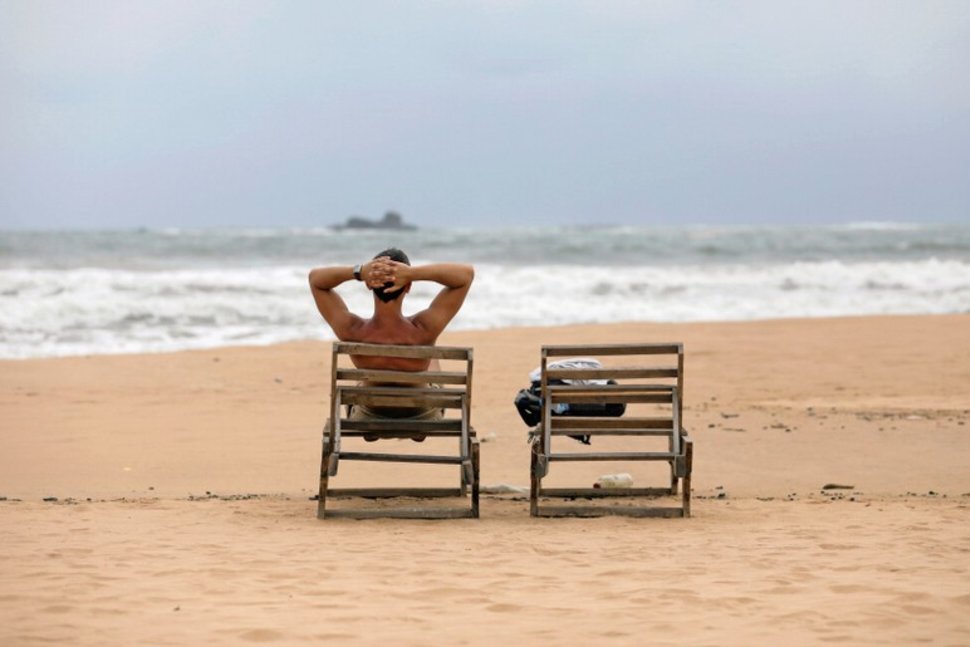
357,269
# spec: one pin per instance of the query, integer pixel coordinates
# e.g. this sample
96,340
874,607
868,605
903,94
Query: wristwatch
357,269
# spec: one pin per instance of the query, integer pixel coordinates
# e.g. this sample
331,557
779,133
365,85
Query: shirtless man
390,275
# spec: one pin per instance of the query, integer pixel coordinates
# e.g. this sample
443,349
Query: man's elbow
469,274
314,279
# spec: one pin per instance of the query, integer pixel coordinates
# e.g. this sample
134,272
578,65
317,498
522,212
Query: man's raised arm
323,280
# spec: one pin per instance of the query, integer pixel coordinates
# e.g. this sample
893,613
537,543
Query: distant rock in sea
391,220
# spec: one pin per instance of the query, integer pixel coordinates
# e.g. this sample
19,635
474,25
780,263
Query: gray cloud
300,113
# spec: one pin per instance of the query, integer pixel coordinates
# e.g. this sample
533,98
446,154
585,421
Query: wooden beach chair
656,387
434,389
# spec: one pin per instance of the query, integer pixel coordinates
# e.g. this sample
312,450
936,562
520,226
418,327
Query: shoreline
523,328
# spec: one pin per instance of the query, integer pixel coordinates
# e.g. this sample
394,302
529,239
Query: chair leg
324,472
535,480
464,469
688,468
673,468
476,457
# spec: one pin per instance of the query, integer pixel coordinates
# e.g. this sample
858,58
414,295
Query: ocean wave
97,310
879,225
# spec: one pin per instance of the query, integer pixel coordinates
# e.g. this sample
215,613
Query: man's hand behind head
390,275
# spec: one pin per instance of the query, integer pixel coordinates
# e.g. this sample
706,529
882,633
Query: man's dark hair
394,254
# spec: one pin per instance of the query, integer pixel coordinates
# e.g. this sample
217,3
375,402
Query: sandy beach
166,499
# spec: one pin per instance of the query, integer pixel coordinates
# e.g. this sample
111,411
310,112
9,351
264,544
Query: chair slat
422,377
620,373
578,422
612,349
666,389
405,513
401,458
606,397
593,431
443,426
411,401
393,350
389,493
616,510
401,390
400,434
601,493
613,456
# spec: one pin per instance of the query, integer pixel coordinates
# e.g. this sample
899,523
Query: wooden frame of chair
432,389
635,384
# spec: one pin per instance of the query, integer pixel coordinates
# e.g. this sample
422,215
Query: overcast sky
238,113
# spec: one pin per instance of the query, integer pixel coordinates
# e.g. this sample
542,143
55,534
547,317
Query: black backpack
529,404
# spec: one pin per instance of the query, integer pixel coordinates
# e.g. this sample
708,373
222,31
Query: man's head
394,254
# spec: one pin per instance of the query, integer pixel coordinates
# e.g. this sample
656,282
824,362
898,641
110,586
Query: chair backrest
666,364
655,376
448,387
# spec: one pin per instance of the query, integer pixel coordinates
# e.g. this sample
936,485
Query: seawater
94,292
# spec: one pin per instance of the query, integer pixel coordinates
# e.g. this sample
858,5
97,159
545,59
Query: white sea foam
879,225
96,310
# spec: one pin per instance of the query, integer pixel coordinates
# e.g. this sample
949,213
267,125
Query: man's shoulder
355,330
414,335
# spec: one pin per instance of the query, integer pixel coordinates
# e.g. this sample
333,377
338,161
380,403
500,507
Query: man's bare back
389,275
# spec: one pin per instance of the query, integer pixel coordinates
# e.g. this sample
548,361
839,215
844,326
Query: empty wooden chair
380,394
651,391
